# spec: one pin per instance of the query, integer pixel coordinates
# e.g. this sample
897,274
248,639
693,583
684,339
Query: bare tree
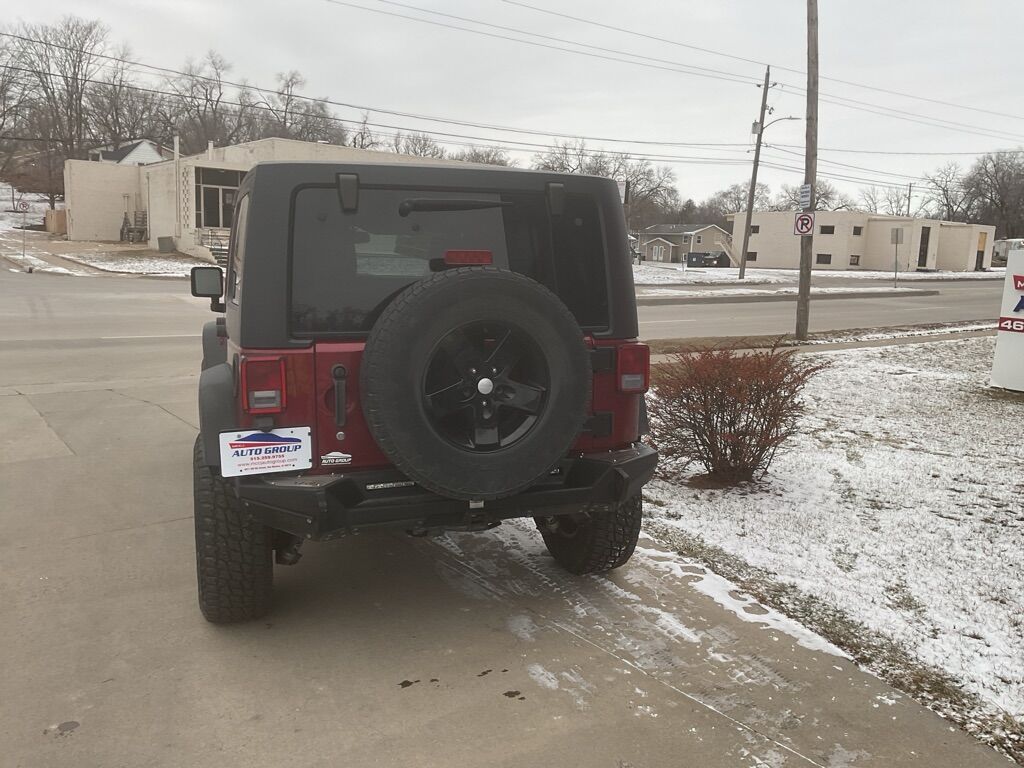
949,194
203,110
364,137
734,198
416,144
290,115
651,188
13,98
63,58
121,110
827,198
996,181
484,155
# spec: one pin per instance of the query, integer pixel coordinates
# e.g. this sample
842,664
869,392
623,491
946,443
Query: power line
457,139
689,69
731,76
899,114
907,176
381,110
760,63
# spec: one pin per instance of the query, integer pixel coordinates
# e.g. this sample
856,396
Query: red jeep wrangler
426,347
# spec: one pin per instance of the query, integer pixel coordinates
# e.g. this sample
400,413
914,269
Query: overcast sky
956,52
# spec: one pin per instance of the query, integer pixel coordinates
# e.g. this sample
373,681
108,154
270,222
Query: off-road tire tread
234,565
388,326
606,542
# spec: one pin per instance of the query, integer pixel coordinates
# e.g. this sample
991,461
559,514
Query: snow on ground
648,274
12,219
789,290
29,262
138,263
900,504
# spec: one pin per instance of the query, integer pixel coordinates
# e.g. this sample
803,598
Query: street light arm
779,120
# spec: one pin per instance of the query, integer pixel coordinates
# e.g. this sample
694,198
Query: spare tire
475,382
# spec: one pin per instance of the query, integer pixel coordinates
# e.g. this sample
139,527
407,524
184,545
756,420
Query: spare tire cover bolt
485,386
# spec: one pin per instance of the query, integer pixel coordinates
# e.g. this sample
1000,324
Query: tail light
633,368
263,386
464,258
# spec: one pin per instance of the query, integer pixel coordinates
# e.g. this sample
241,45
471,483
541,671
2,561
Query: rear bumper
328,506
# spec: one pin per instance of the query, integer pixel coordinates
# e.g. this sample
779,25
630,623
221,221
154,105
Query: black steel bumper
328,506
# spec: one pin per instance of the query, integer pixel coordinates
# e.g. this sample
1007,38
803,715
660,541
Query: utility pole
803,303
753,175
910,191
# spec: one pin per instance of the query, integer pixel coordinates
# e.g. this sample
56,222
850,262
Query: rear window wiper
427,204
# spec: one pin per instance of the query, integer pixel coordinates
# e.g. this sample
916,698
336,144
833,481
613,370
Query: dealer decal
253,453
335,458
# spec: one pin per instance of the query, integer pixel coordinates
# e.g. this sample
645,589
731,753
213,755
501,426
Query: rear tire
597,539
233,553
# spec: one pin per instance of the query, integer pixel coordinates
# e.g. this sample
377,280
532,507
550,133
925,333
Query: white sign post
803,224
1008,365
896,237
23,207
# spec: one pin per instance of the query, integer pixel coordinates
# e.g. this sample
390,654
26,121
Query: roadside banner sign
623,191
805,195
803,224
23,206
1008,365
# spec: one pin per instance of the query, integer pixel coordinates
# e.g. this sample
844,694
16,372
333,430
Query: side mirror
208,283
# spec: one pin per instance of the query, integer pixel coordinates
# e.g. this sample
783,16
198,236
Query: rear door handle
339,374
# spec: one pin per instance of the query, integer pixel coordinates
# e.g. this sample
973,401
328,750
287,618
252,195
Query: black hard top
261,321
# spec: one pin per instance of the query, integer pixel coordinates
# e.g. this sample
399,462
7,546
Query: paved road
466,650
964,301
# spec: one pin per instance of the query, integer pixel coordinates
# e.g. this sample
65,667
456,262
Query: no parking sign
803,224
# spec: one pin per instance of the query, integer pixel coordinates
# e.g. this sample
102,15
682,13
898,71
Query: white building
855,240
189,199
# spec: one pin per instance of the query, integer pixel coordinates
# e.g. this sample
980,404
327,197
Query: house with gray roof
678,243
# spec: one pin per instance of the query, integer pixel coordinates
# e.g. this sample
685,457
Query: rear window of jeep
347,266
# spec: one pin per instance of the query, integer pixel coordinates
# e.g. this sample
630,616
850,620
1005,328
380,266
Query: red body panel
311,397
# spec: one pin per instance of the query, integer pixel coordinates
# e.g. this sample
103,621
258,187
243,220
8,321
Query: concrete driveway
466,650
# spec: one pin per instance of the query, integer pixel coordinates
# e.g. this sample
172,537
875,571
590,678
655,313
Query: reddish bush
727,410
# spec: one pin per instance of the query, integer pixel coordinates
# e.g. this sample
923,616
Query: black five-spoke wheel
485,385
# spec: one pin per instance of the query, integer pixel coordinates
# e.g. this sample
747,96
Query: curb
647,301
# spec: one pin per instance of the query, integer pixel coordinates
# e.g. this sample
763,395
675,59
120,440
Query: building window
827,229
755,228
700,239
823,258
215,196
854,260
751,255
857,231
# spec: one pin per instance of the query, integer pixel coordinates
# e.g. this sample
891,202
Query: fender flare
216,408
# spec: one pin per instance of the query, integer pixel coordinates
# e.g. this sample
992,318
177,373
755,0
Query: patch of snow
28,261
674,274
542,677
9,219
522,626
786,291
724,592
899,502
132,263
